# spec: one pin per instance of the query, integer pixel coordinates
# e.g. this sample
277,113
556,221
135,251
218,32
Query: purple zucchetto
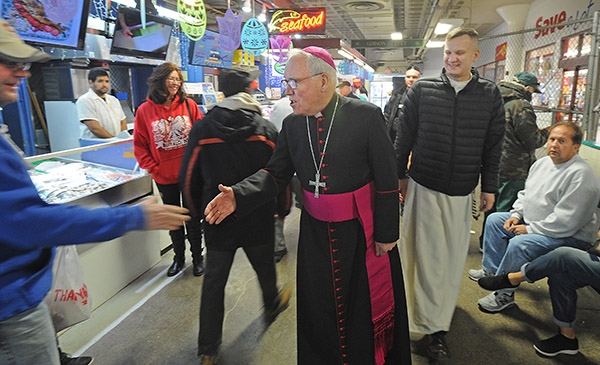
321,53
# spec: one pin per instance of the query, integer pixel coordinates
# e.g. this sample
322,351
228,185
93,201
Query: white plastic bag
68,299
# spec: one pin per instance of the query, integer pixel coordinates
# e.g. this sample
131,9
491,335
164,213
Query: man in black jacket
454,126
232,142
392,109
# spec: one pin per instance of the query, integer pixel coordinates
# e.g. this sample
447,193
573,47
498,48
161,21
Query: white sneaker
496,302
478,274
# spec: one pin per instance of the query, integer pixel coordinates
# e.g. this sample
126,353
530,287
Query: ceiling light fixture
359,62
263,15
446,25
368,68
396,35
345,54
435,44
247,7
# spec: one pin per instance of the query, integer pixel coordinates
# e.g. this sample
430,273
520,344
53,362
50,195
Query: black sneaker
556,345
438,349
66,359
496,282
283,301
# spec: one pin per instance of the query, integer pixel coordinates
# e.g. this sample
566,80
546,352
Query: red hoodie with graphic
160,136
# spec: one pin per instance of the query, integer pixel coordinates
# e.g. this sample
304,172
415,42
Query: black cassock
334,319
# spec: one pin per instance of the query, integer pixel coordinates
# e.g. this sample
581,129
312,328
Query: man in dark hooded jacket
394,105
232,142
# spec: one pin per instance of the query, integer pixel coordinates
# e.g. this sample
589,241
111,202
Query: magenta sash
360,204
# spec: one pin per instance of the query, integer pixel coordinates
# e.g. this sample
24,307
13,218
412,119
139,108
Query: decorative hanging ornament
280,45
230,29
255,38
192,18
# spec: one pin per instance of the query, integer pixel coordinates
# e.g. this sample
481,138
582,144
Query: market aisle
159,321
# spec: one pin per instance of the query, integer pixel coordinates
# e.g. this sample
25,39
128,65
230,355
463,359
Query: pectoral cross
317,183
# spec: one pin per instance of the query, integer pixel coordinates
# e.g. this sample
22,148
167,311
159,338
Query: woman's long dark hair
157,83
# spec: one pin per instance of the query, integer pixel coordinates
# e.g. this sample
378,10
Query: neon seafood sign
305,21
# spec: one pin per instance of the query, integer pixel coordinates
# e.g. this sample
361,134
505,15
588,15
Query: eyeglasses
16,66
293,83
175,79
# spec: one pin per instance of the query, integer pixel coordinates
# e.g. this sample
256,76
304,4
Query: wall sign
303,20
501,52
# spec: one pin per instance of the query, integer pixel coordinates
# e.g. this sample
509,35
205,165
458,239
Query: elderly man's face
307,98
10,76
560,144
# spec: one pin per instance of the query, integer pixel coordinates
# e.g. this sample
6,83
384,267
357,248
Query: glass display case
108,266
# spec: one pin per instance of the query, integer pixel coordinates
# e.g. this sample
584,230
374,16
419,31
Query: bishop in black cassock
350,291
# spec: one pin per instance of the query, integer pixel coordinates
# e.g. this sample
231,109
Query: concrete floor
154,320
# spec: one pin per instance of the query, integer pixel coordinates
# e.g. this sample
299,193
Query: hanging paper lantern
255,38
280,45
230,29
192,18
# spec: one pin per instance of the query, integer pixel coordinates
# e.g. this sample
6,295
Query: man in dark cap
351,304
27,335
232,142
529,80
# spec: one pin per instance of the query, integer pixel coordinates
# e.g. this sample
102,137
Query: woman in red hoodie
161,130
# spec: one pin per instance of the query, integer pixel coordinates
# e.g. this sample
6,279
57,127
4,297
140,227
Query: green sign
387,43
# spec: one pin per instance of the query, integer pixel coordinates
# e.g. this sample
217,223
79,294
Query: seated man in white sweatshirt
556,208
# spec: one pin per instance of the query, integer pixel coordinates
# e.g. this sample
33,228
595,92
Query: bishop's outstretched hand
221,206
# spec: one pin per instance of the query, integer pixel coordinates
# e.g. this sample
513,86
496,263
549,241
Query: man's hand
221,206
510,223
163,216
403,188
383,248
486,201
518,229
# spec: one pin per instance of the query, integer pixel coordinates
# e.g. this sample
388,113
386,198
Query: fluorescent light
369,68
396,36
442,28
130,3
345,54
359,62
446,25
297,35
435,44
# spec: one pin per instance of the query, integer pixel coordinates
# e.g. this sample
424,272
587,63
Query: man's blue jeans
29,338
567,269
505,252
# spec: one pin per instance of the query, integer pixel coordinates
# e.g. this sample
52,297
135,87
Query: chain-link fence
564,57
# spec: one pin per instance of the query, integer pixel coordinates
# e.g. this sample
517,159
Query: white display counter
110,266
